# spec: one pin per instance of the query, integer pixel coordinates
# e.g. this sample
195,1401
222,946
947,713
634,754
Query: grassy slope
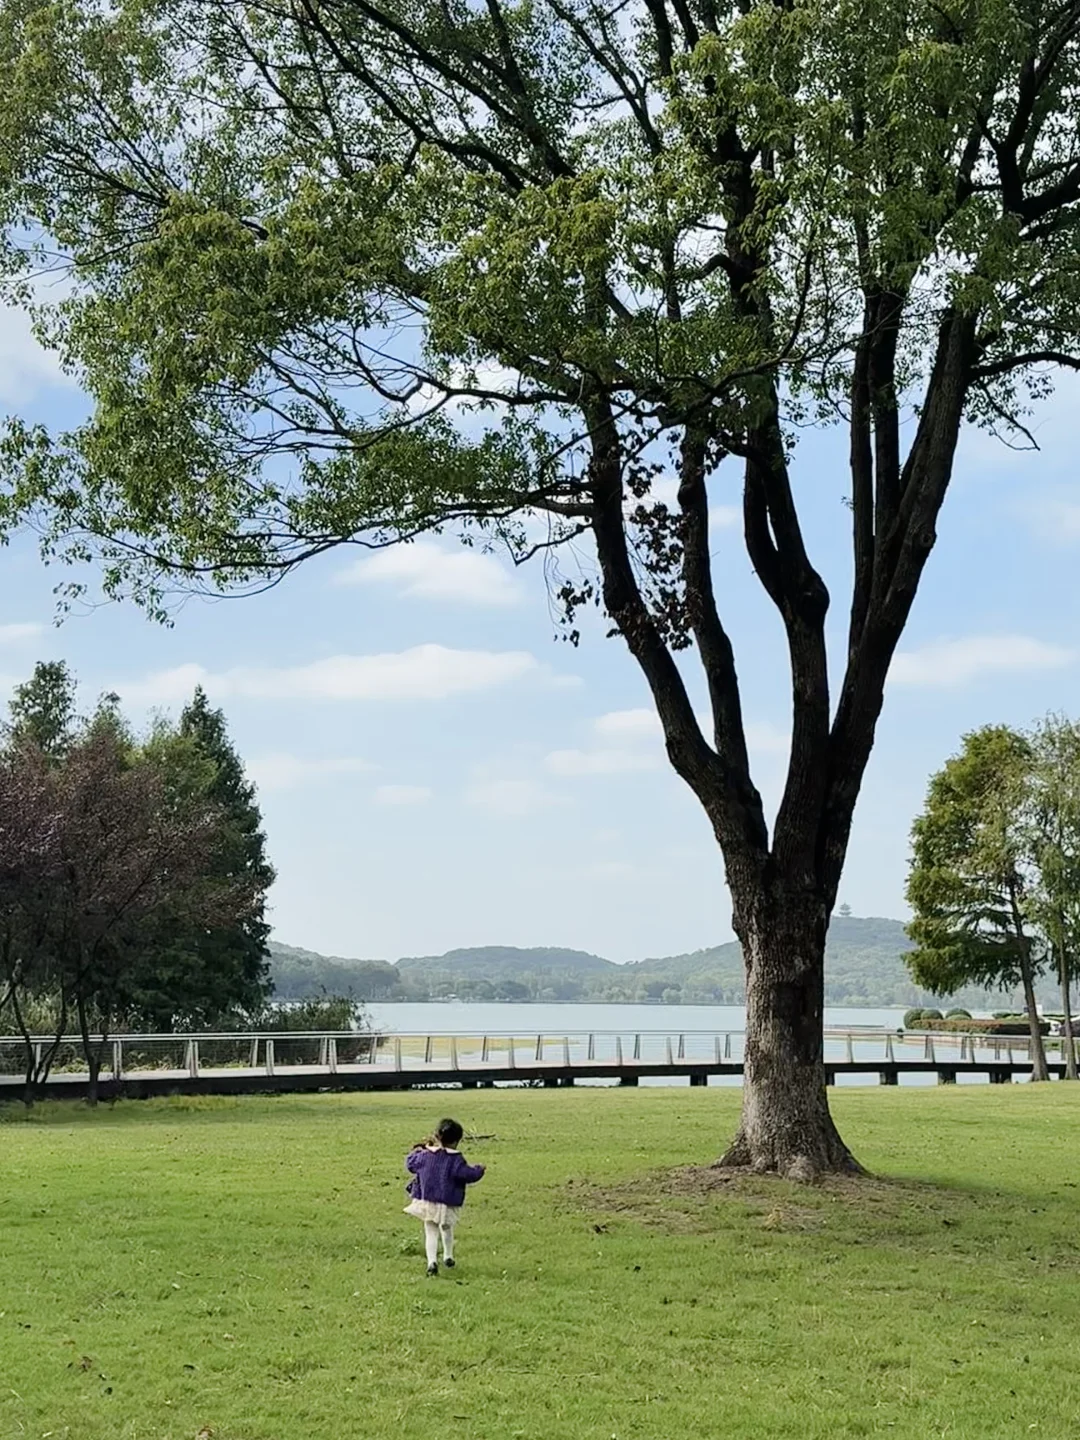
243,1269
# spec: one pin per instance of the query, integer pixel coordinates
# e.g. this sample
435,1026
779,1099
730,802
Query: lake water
466,1018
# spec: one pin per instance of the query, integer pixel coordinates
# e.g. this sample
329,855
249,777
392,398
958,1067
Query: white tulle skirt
442,1215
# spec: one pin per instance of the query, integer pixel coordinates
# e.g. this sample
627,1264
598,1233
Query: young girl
440,1175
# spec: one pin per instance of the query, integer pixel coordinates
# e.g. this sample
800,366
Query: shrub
959,1013
931,1015
1015,1026
912,1017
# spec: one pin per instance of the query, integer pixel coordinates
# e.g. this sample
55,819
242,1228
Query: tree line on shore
865,967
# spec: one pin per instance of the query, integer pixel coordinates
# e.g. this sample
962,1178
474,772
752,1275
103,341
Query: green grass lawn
242,1270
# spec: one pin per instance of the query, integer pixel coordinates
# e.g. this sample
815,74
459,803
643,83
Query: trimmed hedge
983,1027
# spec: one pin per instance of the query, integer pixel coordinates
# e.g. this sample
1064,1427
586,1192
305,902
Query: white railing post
269,1052
117,1059
331,1054
888,1048
618,1050
427,1050
397,1052
850,1049
592,1047
667,1046
253,1061
637,1047
682,1047
453,1052
511,1052
484,1050
727,1047
717,1051
566,1050
539,1048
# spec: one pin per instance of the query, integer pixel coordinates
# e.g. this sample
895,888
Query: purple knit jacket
440,1176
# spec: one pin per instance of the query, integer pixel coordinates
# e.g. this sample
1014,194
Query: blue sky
437,768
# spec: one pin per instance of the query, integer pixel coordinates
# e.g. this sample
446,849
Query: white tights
431,1241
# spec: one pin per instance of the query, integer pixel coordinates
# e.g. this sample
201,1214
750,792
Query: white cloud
16,633
489,376
762,738
282,771
724,517
512,797
627,742
26,367
430,572
945,664
1057,520
402,795
643,724
426,672
600,762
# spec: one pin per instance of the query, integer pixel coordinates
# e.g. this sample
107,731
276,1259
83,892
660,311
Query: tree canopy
121,902
995,866
534,271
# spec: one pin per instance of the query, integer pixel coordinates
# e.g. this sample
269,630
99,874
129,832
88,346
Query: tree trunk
1067,1045
92,1053
786,1125
1038,1049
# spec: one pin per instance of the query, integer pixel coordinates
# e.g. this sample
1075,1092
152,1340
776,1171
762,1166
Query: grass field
241,1270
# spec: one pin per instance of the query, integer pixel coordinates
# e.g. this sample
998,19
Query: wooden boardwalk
412,1062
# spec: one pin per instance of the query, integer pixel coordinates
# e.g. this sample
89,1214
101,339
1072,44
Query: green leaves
969,878
995,866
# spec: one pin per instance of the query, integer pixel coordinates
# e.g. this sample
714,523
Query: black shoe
449,1264
432,1270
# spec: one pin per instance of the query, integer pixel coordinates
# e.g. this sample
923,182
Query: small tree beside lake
994,883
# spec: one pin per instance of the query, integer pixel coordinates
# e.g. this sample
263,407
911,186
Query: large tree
971,886
659,235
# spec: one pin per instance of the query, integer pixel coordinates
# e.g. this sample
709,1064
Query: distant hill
505,959
863,966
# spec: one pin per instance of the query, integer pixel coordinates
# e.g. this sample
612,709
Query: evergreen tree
42,709
232,963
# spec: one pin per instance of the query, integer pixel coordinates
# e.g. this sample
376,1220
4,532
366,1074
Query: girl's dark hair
449,1133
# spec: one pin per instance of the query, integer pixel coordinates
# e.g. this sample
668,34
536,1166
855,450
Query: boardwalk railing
280,1060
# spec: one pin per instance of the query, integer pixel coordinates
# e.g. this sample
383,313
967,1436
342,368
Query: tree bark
786,1125
92,1053
1067,1044
1038,1049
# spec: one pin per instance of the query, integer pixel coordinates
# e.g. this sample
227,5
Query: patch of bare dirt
694,1198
